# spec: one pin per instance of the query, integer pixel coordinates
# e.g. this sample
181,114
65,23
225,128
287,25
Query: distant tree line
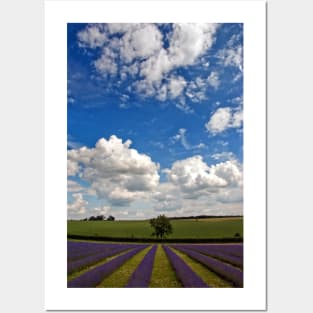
99,218
202,216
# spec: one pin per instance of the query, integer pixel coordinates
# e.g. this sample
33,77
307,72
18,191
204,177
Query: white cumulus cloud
106,63
232,57
92,36
230,171
195,178
224,118
115,171
72,168
141,42
102,210
131,49
193,174
73,186
78,206
189,41
176,86
194,186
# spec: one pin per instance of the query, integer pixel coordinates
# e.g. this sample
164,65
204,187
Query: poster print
155,127
155,156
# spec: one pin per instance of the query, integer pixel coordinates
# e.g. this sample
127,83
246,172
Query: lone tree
162,226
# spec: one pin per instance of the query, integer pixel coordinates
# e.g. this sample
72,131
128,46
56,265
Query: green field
212,228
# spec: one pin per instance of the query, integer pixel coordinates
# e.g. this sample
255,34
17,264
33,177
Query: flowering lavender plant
231,249
79,250
141,276
94,277
224,270
184,273
216,253
94,258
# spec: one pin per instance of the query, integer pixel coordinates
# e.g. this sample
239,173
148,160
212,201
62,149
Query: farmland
130,257
117,265
214,228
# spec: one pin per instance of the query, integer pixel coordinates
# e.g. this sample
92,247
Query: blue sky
155,119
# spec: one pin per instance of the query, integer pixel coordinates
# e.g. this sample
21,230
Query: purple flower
224,270
184,273
97,257
79,250
141,276
216,252
94,277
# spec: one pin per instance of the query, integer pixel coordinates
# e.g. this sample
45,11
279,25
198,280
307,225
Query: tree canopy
162,226
111,218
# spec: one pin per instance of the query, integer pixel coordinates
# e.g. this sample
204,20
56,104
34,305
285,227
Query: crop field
215,228
119,265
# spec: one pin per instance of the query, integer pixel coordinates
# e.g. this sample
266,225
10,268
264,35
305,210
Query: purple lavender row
84,250
224,270
92,259
228,258
79,249
184,273
76,246
94,277
83,254
141,276
230,249
73,245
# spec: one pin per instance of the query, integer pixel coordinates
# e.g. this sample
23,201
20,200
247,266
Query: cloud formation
139,74
194,186
73,186
92,37
223,156
181,137
79,206
194,178
115,171
223,119
232,57
141,49
213,80
123,177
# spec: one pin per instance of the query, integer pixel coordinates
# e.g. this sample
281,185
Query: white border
253,295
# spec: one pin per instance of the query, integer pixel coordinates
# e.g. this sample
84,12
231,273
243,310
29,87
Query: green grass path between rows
209,277
163,275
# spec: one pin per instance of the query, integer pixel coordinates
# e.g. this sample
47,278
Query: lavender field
118,265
